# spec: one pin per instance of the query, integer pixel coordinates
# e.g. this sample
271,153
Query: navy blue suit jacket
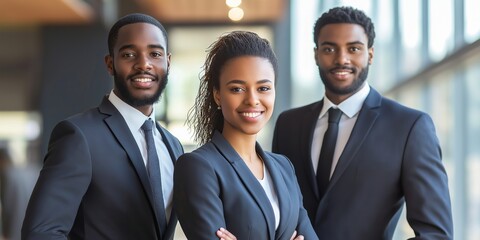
392,157
214,188
94,183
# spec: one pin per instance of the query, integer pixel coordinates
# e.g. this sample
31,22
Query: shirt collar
351,106
132,116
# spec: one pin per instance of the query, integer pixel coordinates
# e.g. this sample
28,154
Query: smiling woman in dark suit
230,182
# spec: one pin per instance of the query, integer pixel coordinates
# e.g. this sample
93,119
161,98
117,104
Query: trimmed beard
138,102
354,87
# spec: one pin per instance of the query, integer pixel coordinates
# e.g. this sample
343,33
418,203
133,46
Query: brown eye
328,50
235,89
264,89
156,54
128,55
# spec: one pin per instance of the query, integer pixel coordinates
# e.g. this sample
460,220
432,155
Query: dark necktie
153,170
328,148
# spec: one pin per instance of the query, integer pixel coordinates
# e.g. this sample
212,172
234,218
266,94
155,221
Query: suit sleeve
197,198
276,133
425,184
304,226
62,182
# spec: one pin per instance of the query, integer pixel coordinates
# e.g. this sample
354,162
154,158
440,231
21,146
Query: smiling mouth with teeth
143,80
251,114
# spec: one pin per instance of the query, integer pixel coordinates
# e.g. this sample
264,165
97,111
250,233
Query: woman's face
246,94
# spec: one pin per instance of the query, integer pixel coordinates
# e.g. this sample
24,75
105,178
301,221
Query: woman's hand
223,234
295,237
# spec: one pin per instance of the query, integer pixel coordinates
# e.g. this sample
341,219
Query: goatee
352,88
138,102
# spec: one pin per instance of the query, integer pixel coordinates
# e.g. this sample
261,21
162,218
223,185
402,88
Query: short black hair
130,19
345,14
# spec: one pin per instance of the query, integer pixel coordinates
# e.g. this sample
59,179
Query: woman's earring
219,108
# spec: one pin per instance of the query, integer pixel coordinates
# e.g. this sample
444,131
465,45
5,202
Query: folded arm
196,197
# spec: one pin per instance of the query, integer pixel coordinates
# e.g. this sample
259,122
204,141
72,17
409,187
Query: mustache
141,73
337,68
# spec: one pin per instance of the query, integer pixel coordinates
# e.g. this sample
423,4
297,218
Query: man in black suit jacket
94,182
385,155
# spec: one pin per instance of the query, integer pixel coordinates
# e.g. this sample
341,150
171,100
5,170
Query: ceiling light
233,3
235,14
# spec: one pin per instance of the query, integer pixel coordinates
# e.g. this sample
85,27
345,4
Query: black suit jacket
94,184
392,157
214,188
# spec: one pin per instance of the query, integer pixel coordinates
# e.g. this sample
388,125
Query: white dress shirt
135,120
350,109
269,188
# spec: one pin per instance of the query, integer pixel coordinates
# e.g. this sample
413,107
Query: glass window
365,5
441,28
411,96
411,35
306,84
380,74
472,20
473,151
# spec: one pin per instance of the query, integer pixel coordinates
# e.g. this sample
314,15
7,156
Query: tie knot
147,125
334,115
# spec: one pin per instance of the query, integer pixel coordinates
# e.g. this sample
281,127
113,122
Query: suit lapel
365,122
119,128
284,197
248,179
307,135
174,152
170,141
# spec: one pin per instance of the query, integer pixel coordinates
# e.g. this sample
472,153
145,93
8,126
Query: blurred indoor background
427,56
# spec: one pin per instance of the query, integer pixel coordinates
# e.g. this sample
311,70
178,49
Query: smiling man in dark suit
384,154
94,182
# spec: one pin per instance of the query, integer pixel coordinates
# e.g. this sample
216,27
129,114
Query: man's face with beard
350,89
139,65
343,58
123,91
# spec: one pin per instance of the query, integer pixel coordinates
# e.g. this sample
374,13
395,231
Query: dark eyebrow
235,81
127,46
334,44
264,81
356,43
156,46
